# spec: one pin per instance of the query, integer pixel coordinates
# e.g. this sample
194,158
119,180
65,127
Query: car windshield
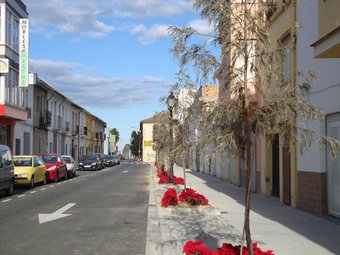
22,162
107,157
48,159
90,157
67,159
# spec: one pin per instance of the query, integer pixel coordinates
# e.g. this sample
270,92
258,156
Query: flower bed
197,248
188,197
170,198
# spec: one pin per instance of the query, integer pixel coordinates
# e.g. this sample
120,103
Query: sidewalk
274,226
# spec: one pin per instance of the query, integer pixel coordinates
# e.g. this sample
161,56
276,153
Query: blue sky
109,56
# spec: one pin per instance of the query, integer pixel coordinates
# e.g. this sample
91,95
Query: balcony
57,123
75,130
45,119
13,102
65,127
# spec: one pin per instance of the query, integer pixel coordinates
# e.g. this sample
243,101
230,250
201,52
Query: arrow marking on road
46,217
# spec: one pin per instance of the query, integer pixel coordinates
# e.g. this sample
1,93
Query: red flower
163,179
196,248
178,180
162,173
192,197
169,197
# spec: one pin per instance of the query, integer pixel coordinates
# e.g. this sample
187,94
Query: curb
153,237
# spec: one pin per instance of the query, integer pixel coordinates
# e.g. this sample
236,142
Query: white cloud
201,26
152,34
96,18
72,80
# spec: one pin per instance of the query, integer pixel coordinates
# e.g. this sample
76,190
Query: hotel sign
23,52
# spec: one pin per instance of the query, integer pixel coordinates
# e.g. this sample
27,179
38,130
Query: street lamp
170,101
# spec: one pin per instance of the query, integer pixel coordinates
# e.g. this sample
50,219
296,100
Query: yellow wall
149,155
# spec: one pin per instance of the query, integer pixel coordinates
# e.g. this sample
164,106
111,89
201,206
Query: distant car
6,170
55,166
90,162
109,160
29,170
70,165
101,160
117,159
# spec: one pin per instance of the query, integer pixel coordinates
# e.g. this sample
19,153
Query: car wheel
10,190
56,179
66,175
31,185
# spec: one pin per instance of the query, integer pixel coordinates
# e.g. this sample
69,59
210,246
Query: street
102,212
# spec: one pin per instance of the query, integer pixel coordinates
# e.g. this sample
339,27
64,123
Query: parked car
101,160
29,170
55,166
90,162
70,165
109,160
6,170
117,159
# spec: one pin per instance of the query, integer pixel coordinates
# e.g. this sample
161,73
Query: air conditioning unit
29,112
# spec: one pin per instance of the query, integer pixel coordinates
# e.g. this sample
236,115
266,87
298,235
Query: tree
115,132
135,143
249,66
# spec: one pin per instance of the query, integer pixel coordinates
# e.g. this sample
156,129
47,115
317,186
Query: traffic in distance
43,168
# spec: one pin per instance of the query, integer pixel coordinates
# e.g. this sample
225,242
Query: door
286,175
333,167
275,167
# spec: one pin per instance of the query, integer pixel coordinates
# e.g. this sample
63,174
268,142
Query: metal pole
171,177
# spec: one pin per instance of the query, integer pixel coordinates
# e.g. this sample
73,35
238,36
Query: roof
154,118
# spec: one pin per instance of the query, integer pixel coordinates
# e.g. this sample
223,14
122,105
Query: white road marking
34,191
46,217
21,195
42,188
7,200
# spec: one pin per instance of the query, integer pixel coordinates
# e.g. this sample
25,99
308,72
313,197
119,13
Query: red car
55,166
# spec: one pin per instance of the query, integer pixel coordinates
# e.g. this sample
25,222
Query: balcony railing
13,96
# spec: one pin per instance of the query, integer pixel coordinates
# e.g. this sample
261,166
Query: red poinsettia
163,179
162,173
197,248
178,180
192,197
170,197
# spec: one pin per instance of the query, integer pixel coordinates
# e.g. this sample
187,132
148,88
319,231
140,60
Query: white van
6,170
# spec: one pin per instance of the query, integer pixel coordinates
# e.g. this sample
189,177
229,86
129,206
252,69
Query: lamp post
170,101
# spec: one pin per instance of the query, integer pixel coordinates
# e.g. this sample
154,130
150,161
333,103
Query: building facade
13,99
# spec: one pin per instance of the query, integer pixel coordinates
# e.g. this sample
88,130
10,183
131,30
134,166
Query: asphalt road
106,213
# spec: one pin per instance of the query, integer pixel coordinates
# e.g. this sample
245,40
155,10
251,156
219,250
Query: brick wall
312,192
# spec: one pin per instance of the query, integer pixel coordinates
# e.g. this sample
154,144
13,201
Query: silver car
71,165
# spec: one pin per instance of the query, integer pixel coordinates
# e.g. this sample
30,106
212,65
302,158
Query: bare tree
249,67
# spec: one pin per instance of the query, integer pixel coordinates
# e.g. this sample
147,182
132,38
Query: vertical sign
23,52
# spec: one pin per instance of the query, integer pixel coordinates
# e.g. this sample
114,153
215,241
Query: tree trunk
248,178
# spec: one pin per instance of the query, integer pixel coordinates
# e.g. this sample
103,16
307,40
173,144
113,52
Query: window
38,103
12,30
27,142
285,44
17,146
9,30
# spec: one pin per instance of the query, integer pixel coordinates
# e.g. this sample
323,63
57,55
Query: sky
111,57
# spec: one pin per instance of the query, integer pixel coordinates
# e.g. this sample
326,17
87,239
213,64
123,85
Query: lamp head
171,100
